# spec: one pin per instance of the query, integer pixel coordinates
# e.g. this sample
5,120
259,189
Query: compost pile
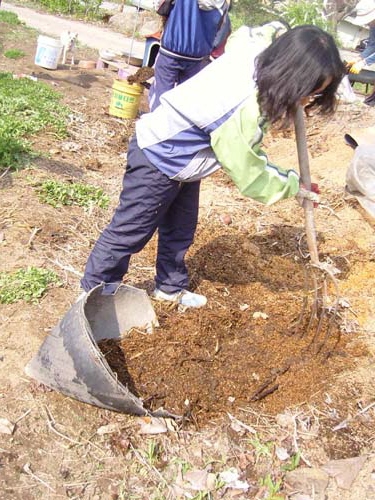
241,349
141,76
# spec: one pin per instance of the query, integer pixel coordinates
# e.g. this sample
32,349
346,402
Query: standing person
222,35
186,43
365,16
215,119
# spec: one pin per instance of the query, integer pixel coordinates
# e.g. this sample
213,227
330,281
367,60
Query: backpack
164,7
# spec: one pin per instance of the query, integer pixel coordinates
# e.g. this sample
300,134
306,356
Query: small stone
226,219
260,315
307,482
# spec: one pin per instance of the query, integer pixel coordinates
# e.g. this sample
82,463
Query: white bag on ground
360,177
345,91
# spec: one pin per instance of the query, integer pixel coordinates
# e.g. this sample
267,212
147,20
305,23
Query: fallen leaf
344,303
231,480
171,424
6,427
307,480
153,425
237,425
211,481
107,429
197,479
344,471
282,453
285,421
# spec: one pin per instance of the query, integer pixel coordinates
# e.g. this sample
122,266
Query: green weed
26,284
9,17
261,449
57,194
249,13
13,152
153,452
14,53
185,466
272,487
362,88
298,12
26,108
202,495
294,462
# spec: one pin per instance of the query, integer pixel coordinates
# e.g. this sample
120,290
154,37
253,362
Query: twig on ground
22,416
345,422
241,424
5,173
52,424
68,267
26,468
34,232
266,388
330,210
143,268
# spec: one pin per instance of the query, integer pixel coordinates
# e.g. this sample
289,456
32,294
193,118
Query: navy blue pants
170,72
149,201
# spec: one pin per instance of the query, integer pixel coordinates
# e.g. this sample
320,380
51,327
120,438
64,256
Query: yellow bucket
125,99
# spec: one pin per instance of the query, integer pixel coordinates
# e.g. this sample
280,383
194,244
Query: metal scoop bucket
70,361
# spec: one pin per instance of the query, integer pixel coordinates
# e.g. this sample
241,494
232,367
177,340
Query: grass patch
57,194
9,18
26,108
13,152
89,9
26,284
363,88
14,53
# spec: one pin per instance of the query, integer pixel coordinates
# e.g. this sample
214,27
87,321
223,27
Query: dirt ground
234,369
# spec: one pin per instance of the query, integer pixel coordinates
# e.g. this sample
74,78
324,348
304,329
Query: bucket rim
49,41
123,82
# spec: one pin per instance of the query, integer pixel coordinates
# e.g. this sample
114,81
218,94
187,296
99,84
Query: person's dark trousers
370,99
149,200
169,72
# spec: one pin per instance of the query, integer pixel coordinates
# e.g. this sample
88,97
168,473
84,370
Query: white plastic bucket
48,52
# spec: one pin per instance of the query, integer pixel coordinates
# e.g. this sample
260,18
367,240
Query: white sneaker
184,298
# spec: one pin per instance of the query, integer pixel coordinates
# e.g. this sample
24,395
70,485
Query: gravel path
95,37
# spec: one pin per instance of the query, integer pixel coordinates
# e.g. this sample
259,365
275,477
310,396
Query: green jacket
213,120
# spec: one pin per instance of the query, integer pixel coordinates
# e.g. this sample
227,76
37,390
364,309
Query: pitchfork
323,309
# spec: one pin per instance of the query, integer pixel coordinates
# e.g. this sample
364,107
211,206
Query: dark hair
294,66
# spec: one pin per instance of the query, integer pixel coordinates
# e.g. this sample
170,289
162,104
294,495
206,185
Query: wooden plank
113,63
